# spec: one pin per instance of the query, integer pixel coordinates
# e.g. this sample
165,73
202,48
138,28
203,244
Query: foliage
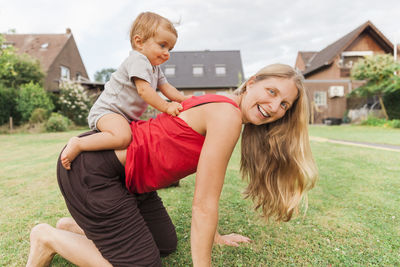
373,121
39,115
8,105
57,123
379,73
75,102
103,75
392,105
30,97
16,69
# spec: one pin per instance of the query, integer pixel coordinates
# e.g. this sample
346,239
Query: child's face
157,48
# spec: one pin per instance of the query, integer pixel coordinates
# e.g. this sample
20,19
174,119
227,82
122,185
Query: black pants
128,229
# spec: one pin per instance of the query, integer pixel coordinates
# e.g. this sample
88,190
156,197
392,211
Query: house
58,55
327,72
204,72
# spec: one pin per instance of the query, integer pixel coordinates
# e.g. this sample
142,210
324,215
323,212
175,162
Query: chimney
68,31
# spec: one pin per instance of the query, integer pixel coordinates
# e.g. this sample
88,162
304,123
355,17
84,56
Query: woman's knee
41,233
169,245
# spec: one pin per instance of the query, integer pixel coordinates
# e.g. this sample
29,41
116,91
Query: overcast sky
264,31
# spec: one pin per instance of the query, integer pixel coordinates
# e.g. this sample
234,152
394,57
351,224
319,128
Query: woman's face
267,100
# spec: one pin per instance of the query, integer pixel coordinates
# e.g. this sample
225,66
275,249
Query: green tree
16,69
103,75
379,72
30,97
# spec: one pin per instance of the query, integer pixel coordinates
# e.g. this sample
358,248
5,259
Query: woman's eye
271,91
284,106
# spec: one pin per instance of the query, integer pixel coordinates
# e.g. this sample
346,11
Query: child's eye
271,91
162,45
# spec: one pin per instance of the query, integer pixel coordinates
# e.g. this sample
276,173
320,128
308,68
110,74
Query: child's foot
40,253
70,152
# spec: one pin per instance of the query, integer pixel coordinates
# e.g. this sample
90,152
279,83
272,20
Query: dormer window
169,71
220,70
65,74
198,70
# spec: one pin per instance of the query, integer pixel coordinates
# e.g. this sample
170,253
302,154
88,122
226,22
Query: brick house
58,55
327,72
204,72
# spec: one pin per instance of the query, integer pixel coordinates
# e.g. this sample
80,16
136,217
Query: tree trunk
383,108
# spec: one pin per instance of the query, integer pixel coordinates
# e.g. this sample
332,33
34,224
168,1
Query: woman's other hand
232,240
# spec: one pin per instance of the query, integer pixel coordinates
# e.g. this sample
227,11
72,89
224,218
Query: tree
103,75
16,70
379,72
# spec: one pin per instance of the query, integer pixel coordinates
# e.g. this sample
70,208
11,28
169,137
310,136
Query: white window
199,93
220,70
320,98
169,71
44,46
198,70
65,73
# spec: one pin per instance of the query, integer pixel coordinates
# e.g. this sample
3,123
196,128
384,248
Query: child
131,88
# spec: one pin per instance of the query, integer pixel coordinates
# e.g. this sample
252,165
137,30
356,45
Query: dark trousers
128,229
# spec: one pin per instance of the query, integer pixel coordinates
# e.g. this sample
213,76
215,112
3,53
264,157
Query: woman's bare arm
223,126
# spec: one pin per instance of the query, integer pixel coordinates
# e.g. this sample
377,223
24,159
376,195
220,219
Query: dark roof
185,60
44,47
326,56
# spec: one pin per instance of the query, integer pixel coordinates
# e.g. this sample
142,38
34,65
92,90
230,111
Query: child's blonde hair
276,157
147,24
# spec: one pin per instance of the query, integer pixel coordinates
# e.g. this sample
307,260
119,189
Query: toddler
131,88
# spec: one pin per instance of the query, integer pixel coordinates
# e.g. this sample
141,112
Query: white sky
264,31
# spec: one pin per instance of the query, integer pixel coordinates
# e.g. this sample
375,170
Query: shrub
39,115
8,105
373,121
57,123
30,97
394,123
75,102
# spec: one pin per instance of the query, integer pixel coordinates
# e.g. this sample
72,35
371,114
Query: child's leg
115,134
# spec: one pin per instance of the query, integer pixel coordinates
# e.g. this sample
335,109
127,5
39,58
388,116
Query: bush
373,121
39,115
30,97
75,102
8,104
57,123
394,123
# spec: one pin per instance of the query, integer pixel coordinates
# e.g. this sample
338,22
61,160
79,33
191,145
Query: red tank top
165,149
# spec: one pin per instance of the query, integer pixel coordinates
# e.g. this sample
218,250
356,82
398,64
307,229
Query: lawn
353,217
358,133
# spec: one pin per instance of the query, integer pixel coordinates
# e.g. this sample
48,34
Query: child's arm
172,93
153,99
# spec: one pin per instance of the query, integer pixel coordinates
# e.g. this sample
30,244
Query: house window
65,73
220,70
44,46
199,93
198,70
320,98
169,71
78,76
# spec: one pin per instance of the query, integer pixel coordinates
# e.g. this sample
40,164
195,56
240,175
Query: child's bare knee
41,233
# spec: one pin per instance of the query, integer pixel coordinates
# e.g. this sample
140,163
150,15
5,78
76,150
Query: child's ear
138,41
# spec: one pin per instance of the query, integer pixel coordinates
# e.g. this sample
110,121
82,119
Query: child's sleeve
138,66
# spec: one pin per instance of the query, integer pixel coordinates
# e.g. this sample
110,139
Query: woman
120,221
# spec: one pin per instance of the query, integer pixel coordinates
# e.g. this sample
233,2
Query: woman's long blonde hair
276,158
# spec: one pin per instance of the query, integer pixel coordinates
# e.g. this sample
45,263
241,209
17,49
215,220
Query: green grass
353,216
371,134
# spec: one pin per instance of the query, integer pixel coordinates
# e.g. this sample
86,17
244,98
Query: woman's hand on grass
232,240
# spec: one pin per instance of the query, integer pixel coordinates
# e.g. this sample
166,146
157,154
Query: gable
326,56
204,69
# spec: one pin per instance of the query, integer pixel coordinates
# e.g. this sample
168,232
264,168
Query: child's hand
173,108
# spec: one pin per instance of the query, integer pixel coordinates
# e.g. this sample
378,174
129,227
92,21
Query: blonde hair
276,158
147,24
